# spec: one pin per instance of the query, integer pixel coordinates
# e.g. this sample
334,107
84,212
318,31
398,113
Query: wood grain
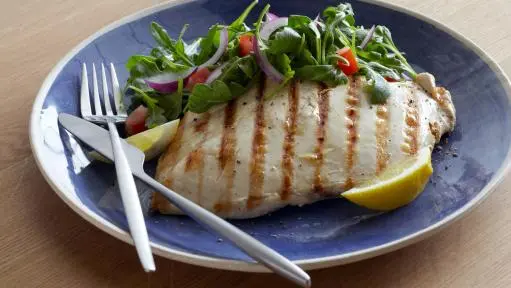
45,244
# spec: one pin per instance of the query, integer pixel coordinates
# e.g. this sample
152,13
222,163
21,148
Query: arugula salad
177,76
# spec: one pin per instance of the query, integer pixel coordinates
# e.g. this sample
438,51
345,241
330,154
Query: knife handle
255,249
131,202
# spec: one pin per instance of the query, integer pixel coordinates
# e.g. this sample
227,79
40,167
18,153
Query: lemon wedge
396,187
152,142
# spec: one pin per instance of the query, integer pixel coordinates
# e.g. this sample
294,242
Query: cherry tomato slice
351,67
135,123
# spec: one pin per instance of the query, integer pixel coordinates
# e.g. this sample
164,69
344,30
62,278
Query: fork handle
255,249
131,202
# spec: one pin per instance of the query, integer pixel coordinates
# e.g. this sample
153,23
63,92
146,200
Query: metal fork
129,194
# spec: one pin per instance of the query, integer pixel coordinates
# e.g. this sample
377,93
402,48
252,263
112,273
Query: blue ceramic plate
328,233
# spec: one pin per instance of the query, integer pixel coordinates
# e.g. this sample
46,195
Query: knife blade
99,139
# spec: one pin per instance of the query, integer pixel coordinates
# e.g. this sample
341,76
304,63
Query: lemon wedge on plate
396,187
152,142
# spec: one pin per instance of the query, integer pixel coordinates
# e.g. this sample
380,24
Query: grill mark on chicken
382,135
411,127
289,141
226,156
255,194
201,124
323,105
352,115
168,160
195,159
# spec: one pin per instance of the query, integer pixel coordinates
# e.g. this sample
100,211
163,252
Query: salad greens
301,47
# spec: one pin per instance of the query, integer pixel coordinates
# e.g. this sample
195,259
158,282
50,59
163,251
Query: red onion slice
265,64
270,16
368,38
215,74
224,41
168,82
269,27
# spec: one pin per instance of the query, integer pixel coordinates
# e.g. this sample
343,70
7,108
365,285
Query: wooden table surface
43,243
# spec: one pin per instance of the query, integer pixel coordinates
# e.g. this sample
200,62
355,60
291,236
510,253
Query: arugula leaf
239,24
327,74
388,43
207,45
155,117
239,69
161,36
140,66
206,96
286,40
304,25
172,105
283,64
177,48
377,87
155,113
298,21
305,58
259,22
341,14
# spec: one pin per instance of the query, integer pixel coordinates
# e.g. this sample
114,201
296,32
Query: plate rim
237,265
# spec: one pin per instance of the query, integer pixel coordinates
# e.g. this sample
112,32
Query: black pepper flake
446,167
194,119
238,161
244,103
455,155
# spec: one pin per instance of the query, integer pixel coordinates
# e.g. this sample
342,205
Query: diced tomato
136,120
389,79
246,45
351,67
199,76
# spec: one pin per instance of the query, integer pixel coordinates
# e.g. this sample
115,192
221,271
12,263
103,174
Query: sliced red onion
215,74
224,41
270,16
318,22
368,38
168,82
269,27
265,64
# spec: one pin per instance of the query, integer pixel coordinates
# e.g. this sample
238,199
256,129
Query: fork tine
84,94
119,107
106,97
97,102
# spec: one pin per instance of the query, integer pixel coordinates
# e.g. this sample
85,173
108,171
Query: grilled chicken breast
253,156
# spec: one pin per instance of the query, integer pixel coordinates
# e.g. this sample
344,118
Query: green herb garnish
304,49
